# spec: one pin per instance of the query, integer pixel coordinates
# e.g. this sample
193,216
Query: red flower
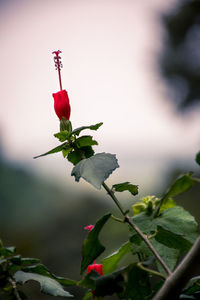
96,267
61,104
89,227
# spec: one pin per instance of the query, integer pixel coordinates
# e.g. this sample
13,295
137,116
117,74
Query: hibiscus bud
61,104
96,267
89,227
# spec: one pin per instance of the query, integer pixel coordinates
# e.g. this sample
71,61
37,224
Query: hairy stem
188,268
128,220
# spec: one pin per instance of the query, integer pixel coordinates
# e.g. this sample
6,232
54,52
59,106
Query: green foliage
110,263
48,285
198,158
126,186
54,150
91,127
92,248
15,270
95,169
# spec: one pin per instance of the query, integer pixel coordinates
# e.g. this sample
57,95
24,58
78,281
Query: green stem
140,265
128,220
112,195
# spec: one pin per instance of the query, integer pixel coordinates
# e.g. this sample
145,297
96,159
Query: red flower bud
61,104
89,227
96,267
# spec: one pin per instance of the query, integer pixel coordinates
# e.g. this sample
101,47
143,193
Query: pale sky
109,50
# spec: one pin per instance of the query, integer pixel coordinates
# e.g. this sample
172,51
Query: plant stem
128,220
140,265
112,195
188,268
15,291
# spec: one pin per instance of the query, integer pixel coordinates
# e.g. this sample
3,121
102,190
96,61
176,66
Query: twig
15,291
140,265
188,268
128,220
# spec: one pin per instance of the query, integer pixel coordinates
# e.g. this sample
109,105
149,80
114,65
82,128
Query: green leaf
172,240
87,295
77,155
66,151
95,169
42,270
138,285
91,127
92,248
85,140
48,285
126,186
54,150
193,286
181,185
168,204
110,262
198,158
62,135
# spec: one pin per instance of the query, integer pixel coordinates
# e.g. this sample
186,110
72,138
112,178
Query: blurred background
135,66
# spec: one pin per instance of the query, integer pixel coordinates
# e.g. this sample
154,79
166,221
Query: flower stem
128,220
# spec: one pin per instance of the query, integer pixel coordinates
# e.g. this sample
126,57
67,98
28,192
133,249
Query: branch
15,291
128,220
187,269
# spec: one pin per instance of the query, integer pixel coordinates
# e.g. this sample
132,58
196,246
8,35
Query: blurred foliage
180,57
46,220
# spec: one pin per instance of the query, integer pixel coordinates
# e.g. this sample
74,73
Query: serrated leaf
92,248
110,262
197,159
54,150
126,186
62,135
85,140
172,240
91,127
48,285
95,169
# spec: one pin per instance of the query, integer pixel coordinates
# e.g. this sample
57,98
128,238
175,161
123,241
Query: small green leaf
91,127
85,140
95,169
48,285
92,248
168,204
198,158
181,185
88,295
66,151
126,186
172,240
54,150
110,262
77,155
62,135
